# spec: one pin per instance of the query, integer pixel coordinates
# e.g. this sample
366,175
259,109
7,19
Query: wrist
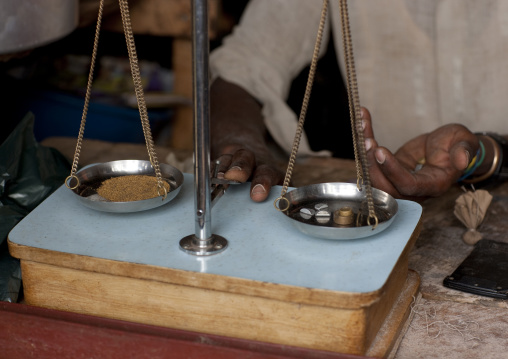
495,164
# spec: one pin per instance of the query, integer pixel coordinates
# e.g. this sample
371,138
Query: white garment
420,63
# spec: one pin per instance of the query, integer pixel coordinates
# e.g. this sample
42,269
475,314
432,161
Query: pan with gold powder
125,186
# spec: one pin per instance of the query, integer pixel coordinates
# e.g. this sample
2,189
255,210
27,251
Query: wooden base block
389,335
272,285
320,327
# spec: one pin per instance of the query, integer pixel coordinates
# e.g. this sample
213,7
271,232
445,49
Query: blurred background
45,53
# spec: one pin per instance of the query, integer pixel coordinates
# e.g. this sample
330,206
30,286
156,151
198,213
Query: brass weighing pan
91,177
309,205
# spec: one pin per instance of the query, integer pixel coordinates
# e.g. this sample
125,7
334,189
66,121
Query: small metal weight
343,216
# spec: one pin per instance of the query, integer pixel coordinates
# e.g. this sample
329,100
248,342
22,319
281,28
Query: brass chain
352,90
362,169
355,113
79,142
303,111
138,87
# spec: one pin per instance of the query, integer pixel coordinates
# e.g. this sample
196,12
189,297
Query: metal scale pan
92,176
87,181
336,196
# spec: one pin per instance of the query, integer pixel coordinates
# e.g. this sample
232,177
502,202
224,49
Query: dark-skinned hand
240,164
240,145
447,152
239,140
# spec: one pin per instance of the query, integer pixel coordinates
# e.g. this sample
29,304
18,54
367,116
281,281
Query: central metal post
203,242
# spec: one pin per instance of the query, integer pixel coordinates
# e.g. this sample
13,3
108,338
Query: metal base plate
262,245
192,245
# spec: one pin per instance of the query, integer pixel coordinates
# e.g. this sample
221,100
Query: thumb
461,154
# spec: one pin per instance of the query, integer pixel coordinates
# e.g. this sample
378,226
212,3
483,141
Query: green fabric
29,173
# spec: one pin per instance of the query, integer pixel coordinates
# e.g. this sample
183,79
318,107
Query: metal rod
200,50
203,242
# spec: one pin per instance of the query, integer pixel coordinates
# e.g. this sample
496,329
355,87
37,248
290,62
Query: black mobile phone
484,271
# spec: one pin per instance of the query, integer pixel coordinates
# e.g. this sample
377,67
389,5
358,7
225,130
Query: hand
239,140
447,152
240,164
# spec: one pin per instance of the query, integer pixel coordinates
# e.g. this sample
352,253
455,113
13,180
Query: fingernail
380,157
363,123
259,188
368,144
258,193
468,157
220,175
362,113
235,168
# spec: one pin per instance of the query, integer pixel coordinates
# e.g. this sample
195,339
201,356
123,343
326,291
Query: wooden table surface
446,323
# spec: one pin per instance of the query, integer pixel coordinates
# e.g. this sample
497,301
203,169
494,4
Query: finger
221,165
370,144
378,179
402,180
430,181
451,146
461,155
264,178
368,131
241,167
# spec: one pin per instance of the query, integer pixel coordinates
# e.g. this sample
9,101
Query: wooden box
273,284
32,332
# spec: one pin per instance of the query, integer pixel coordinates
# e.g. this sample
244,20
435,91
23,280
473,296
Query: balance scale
269,281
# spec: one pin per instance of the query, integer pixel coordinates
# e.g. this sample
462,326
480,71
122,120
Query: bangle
498,167
475,162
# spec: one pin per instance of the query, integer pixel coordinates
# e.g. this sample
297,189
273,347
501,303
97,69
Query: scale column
203,242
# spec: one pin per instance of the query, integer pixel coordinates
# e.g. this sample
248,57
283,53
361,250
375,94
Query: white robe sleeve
420,64
272,44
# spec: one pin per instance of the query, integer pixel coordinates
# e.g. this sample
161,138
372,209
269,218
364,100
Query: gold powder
130,188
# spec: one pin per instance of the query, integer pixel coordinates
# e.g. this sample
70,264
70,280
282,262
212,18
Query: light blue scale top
263,245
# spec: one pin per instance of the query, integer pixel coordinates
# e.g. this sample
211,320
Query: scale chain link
79,142
303,111
138,87
355,112
362,169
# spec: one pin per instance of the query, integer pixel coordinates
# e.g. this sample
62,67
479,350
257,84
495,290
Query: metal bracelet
495,161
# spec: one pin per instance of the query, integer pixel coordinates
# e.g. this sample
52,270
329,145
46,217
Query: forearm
236,119
239,139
